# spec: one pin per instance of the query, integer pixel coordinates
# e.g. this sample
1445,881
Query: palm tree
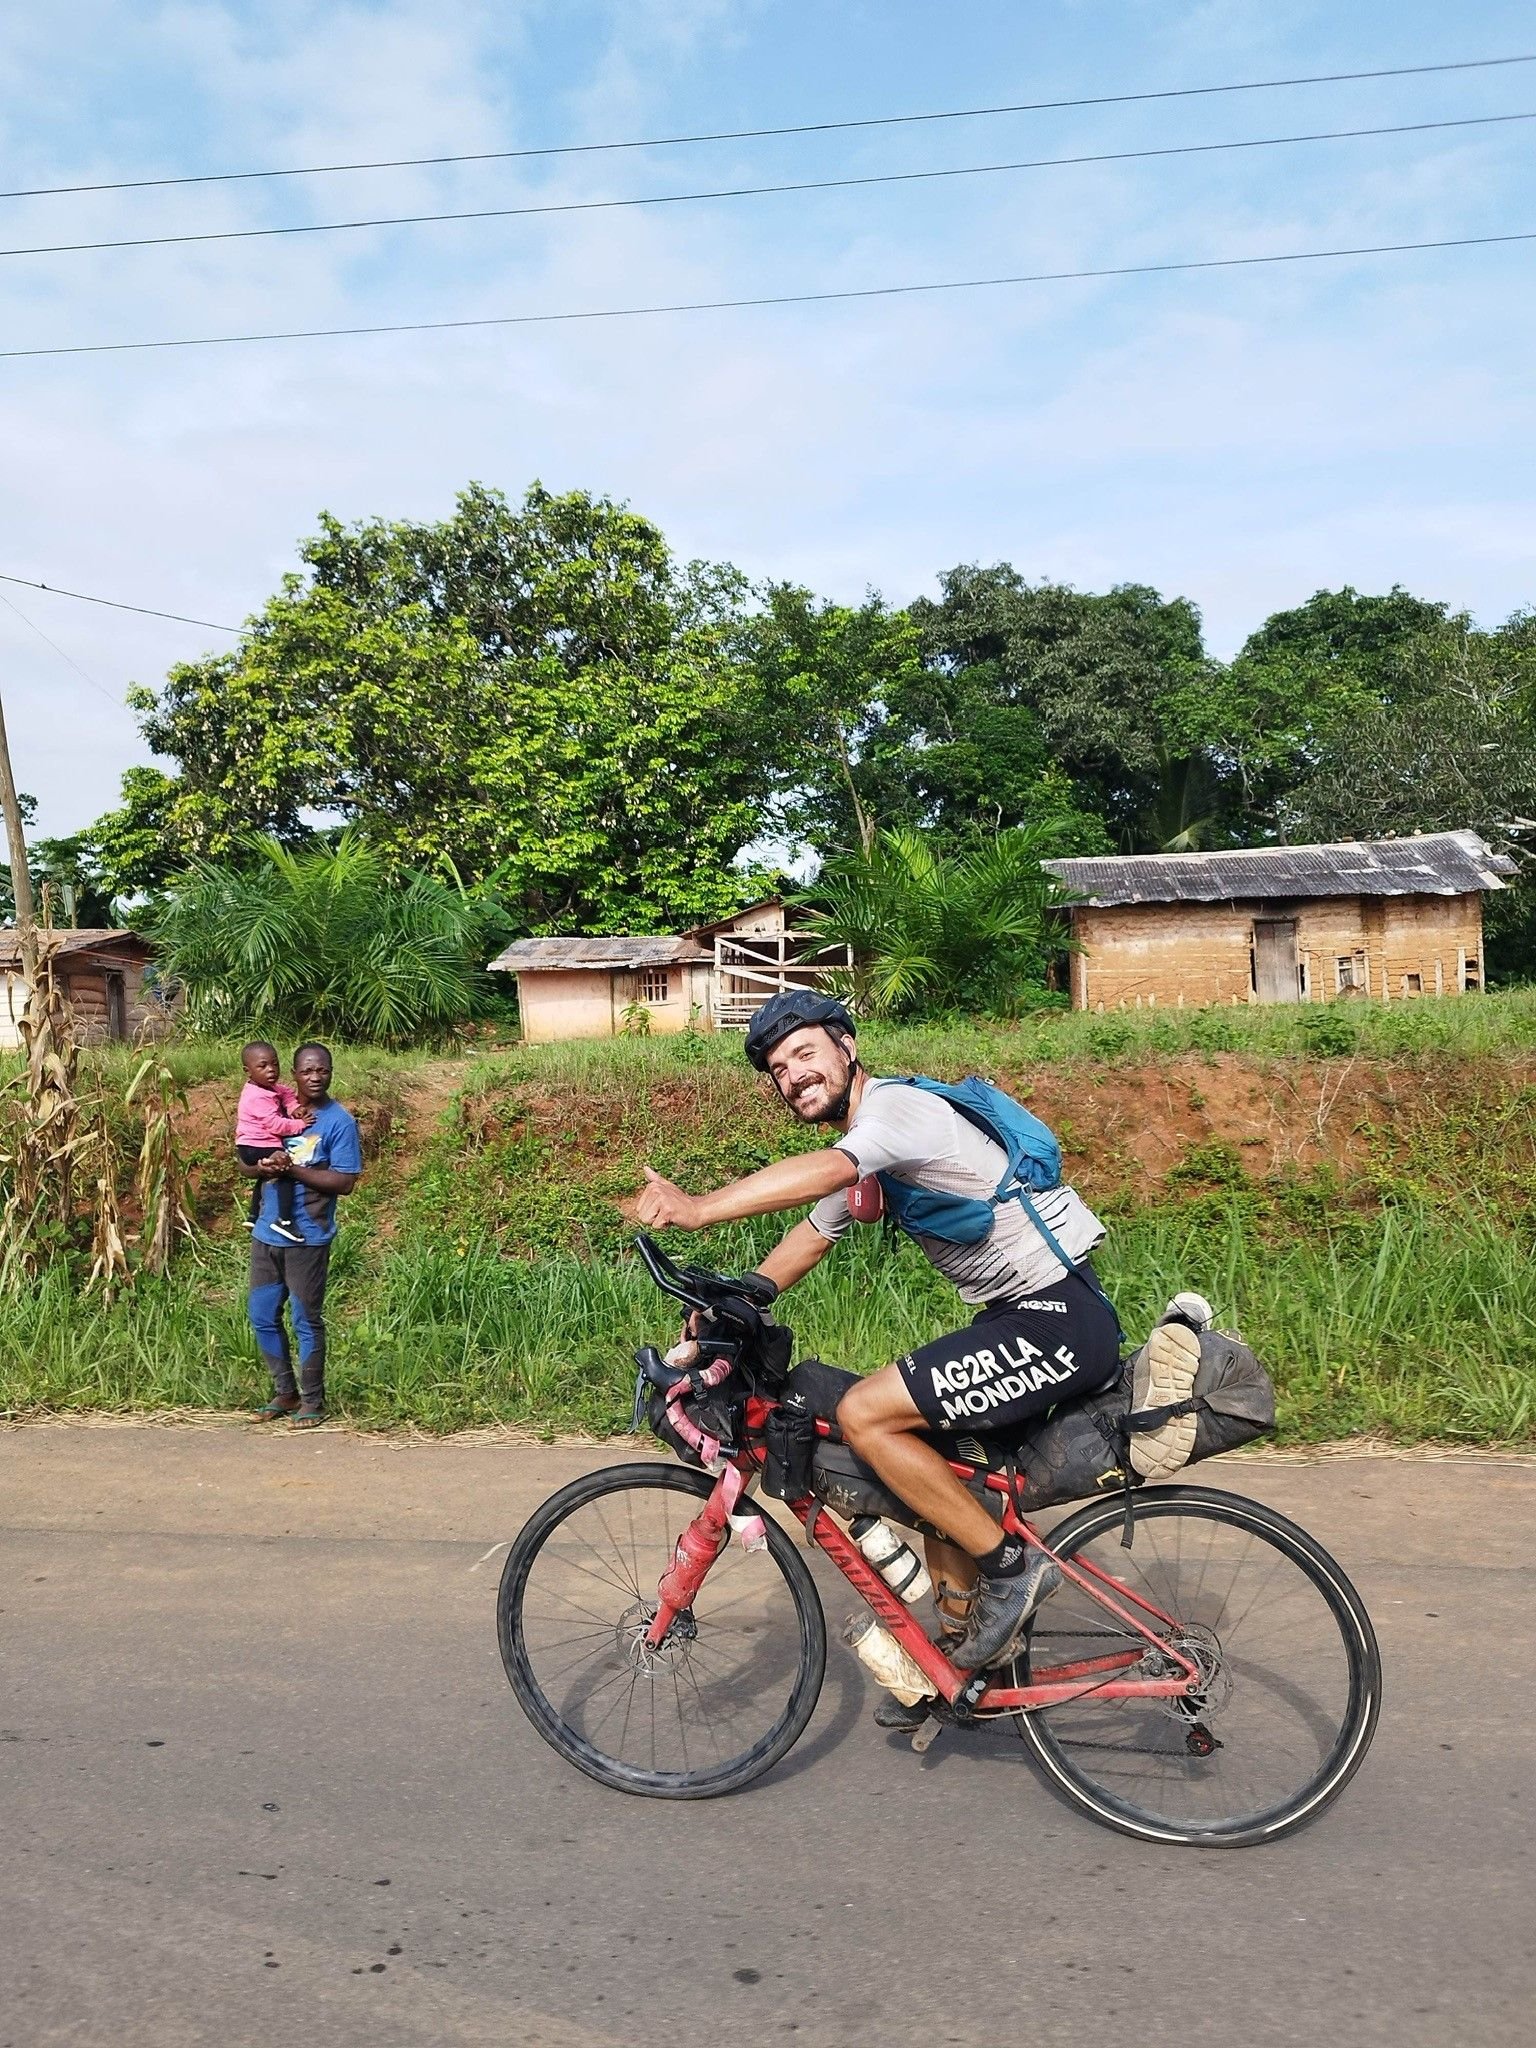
935,927
327,938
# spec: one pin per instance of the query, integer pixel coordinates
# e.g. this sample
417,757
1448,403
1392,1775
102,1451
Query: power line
145,611
879,291
1118,156
486,156
100,688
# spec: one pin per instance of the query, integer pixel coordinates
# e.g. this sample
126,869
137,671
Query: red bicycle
1216,1683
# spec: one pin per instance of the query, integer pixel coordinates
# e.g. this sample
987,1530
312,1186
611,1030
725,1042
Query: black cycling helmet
788,1012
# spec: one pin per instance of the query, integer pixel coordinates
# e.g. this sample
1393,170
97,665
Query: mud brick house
712,977
102,971
1389,918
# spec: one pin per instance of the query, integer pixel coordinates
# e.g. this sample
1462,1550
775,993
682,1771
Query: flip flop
307,1418
274,1412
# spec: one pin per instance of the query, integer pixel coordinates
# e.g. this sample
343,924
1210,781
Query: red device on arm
866,1199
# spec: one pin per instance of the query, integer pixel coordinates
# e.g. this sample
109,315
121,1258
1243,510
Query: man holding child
291,1245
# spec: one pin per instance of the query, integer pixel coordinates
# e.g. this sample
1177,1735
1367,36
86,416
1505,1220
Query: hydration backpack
1032,1155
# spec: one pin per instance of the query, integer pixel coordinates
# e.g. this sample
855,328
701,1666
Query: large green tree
539,692
1446,740
1032,694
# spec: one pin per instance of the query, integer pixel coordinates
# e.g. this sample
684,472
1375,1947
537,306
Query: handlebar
698,1288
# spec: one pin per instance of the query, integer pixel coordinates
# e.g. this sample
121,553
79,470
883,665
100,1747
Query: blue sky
1241,437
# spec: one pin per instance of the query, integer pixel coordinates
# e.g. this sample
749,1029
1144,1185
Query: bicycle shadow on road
827,1732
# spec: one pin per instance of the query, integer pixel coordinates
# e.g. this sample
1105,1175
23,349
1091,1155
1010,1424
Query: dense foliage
542,695
330,939
941,929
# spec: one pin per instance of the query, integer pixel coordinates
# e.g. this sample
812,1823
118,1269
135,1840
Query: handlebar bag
718,1412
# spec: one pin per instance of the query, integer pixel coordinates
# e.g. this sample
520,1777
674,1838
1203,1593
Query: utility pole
21,880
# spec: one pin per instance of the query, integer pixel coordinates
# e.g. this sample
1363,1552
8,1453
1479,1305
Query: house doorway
117,1006
1276,977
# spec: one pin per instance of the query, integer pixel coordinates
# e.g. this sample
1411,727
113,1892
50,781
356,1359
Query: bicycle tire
1076,1781
726,1775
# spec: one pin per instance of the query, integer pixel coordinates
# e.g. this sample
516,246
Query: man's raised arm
787,1184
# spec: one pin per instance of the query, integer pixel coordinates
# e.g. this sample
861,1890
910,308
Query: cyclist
1042,1334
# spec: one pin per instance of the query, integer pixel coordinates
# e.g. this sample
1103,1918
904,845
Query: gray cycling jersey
920,1139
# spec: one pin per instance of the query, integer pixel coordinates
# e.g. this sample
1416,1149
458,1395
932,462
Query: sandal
307,1418
274,1411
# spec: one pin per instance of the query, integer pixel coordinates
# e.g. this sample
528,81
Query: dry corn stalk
159,1182
47,1134
109,1253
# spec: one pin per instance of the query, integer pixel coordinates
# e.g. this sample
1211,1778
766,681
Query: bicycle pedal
925,1737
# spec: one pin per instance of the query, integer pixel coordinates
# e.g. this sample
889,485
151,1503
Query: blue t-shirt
332,1140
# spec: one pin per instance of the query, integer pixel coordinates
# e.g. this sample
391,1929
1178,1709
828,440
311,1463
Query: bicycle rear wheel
1291,1674
714,1706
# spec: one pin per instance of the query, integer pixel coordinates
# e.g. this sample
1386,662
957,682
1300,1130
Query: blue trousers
282,1275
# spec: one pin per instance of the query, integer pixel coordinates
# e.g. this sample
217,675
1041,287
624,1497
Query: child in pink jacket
268,1114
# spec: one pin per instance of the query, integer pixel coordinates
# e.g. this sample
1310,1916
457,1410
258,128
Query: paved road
263,1782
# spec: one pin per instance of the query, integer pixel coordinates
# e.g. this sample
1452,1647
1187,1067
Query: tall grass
1411,1323
491,1281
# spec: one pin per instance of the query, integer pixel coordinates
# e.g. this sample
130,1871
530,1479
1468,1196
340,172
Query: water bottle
885,1659
899,1566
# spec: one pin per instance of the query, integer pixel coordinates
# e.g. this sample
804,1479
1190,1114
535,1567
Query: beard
820,1098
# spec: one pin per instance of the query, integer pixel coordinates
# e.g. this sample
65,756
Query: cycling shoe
1002,1608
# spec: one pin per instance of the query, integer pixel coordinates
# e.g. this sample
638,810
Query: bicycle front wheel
1290,1674
705,1712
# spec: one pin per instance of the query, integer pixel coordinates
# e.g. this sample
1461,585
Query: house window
1413,984
1472,975
1345,971
655,986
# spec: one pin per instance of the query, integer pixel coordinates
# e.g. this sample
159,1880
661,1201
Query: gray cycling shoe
1002,1608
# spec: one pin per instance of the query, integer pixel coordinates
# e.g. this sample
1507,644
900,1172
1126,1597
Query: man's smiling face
811,1070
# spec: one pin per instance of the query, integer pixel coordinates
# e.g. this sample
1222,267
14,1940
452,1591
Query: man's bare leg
953,1572
882,1422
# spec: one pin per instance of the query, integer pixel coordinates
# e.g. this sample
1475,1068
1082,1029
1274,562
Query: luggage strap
1139,1422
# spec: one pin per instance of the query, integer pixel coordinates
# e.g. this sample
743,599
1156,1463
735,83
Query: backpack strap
1053,1242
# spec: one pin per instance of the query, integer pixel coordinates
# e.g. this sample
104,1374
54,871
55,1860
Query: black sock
1006,1561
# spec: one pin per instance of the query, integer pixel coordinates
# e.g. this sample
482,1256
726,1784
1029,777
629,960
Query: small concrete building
101,971
712,977
1389,918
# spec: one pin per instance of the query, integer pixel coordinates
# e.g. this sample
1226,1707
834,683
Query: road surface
262,1781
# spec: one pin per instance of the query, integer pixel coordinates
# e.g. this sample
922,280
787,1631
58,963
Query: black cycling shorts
1016,1360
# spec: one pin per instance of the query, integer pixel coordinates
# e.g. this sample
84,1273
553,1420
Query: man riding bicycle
1043,1333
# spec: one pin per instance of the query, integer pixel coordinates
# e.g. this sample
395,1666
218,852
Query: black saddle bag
1081,1449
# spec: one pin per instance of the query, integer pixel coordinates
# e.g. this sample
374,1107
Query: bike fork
696,1550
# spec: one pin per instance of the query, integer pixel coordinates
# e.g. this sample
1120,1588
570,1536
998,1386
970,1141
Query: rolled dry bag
1076,1451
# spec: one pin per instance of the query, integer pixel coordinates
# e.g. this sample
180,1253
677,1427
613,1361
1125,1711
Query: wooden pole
21,879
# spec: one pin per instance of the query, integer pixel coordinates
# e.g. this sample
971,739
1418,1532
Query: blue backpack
1030,1148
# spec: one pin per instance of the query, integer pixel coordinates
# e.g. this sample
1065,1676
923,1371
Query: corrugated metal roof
86,939
548,956
1428,864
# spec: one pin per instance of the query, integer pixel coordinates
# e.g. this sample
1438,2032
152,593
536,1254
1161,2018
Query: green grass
487,1278
1406,1322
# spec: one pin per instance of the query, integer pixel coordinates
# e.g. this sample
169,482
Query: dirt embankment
1130,1131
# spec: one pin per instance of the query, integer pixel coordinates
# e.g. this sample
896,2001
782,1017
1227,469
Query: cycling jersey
920,1139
